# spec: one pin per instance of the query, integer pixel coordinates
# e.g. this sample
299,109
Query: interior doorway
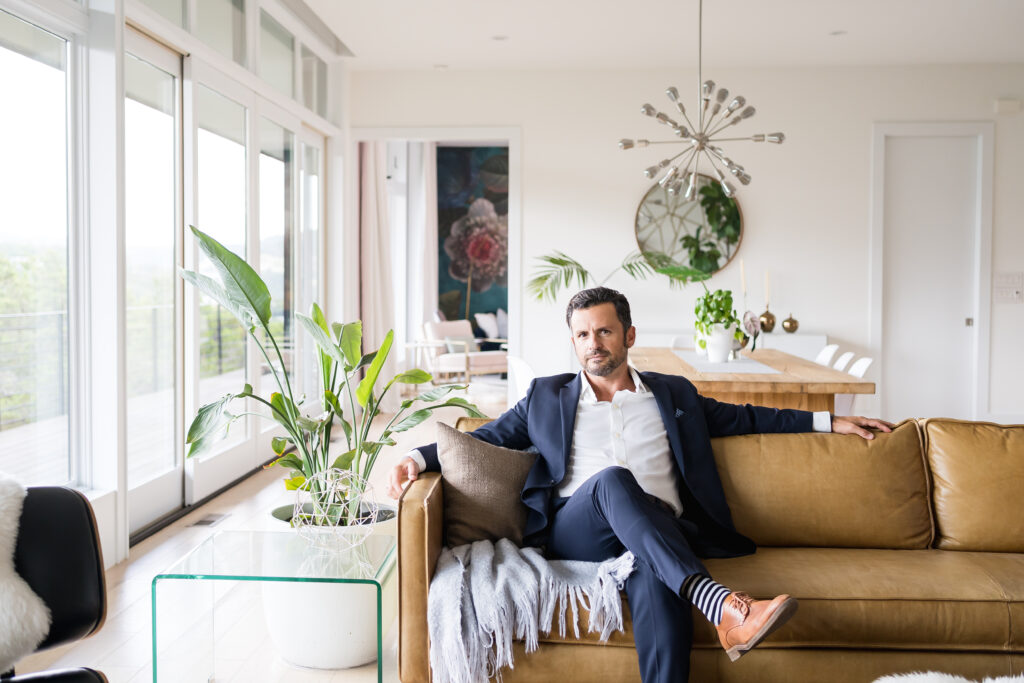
931,266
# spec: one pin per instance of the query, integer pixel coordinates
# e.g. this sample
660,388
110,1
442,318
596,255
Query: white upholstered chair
448,350
520,375
824,356
844,402
843,361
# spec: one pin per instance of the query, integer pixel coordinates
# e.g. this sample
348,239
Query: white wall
806,213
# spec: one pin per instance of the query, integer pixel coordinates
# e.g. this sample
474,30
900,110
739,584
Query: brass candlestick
767,320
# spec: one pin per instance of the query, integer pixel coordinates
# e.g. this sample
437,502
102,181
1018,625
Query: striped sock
706,595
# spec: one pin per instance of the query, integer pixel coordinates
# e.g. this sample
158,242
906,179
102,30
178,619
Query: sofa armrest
420,534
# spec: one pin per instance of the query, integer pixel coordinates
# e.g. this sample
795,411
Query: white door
930,228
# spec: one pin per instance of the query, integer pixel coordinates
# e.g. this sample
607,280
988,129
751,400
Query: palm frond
637,266
680,276
557,270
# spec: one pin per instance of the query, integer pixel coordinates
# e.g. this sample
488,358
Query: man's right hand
401,474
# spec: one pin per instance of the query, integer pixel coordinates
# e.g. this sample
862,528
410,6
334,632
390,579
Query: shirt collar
587,391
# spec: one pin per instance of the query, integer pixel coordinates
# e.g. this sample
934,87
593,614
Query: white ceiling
571,34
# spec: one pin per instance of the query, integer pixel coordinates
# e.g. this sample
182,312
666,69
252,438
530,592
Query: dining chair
824,356
844,402
843,361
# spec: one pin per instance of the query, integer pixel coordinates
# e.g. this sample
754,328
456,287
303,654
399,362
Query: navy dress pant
610,514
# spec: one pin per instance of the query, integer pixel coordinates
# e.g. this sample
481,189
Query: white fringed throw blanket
24,617
484,595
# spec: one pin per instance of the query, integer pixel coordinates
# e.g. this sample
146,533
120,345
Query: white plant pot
720,343
322,625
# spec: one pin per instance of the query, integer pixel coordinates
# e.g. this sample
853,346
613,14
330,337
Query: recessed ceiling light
837,33
499,38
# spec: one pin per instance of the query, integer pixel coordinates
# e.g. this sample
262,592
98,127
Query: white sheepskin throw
24,617
935,677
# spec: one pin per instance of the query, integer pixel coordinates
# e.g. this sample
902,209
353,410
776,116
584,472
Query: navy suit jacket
545,420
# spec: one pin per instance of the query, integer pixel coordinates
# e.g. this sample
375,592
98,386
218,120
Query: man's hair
599,295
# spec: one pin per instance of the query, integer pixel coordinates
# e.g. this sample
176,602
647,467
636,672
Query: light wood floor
122,649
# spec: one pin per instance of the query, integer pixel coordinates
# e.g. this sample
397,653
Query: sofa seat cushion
896,599
872,599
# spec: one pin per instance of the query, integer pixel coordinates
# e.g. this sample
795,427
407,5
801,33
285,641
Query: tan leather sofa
906,553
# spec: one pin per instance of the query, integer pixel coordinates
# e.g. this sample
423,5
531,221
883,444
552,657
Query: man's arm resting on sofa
420,534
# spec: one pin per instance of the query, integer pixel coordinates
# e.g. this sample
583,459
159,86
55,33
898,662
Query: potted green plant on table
716,324
346,400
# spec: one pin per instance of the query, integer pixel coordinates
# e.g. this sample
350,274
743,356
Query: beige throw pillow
481,484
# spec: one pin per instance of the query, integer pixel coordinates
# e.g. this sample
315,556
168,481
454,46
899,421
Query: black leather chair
58,554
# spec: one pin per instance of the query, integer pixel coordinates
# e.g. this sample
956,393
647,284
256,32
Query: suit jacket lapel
568,400
668,417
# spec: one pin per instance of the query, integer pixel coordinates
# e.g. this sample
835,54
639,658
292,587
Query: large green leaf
459,402
321,337
438,392
211,417
414,418
241,282
332,401
213,289
279,445
351,341
414,376
344,461
291,461
365,388
364,361
296,481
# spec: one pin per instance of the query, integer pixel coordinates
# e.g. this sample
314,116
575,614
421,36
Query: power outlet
1008,288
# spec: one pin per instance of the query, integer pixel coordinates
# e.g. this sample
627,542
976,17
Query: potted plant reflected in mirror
716,320
349,398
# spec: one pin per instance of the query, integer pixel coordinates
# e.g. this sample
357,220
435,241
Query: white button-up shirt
626,431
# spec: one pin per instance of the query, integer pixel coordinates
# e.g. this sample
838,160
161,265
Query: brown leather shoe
746,622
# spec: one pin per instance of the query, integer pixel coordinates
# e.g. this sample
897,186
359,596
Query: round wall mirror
703,233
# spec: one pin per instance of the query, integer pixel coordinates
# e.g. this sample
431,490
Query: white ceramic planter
322,625
720,343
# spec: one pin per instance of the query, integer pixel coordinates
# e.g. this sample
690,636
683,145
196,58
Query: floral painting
472,205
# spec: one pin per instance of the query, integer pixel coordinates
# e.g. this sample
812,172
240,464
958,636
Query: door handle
969,322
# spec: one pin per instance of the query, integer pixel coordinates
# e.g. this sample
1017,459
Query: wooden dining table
797,382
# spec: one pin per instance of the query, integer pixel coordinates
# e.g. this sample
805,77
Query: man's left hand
856,425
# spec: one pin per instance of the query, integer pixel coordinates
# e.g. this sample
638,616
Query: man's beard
610,364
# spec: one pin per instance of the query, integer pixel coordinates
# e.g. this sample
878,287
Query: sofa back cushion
978,480
828,490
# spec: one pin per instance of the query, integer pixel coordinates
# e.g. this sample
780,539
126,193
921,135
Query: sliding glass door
152,143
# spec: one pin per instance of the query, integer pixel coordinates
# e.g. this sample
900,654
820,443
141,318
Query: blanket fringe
485,595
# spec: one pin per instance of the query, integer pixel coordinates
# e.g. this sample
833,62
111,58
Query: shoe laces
741,603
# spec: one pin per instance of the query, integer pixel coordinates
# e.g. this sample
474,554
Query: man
625,463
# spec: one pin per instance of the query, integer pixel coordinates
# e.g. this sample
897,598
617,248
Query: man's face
599,339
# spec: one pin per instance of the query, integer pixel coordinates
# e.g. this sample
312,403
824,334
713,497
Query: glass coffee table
247,604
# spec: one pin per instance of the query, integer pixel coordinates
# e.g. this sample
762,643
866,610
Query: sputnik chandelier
699,140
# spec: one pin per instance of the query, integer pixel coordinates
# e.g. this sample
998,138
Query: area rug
935,677
24,617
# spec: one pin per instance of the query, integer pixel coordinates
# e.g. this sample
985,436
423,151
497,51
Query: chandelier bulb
747,113
672,93
680,108
707,88
669,176
648,110
652,171
743,178
691,186
666,120
728,189
682,132
715,109
736,103
675,187
625,143
777,138
723,95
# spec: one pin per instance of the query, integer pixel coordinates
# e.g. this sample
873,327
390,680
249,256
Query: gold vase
790,324
767,320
